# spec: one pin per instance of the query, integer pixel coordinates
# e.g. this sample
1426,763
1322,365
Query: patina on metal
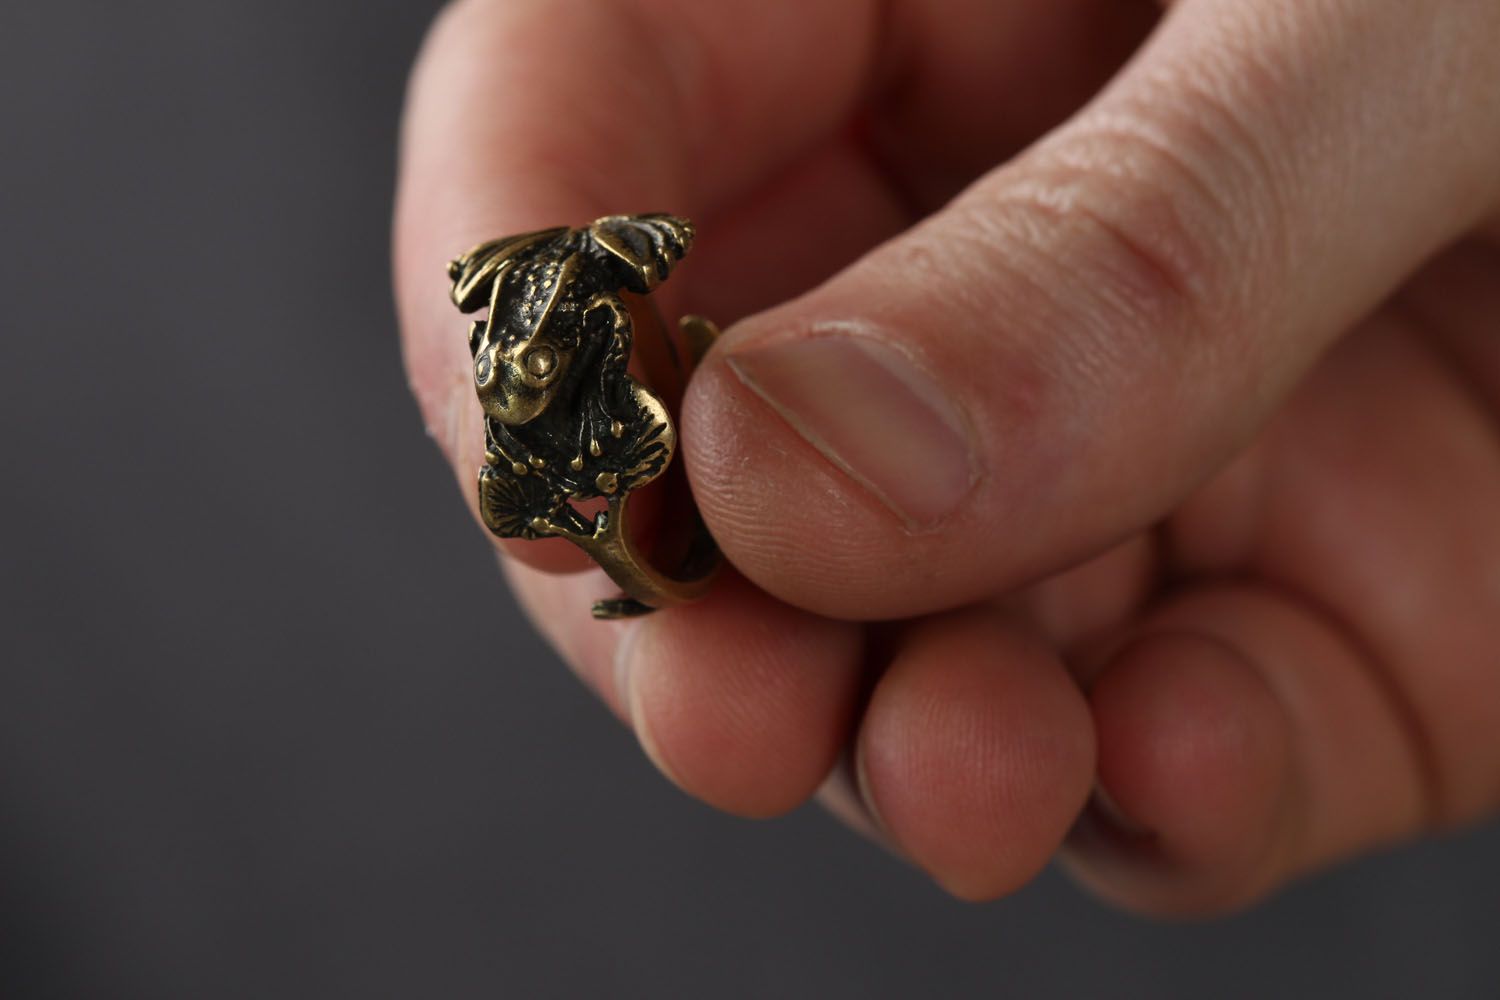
565,422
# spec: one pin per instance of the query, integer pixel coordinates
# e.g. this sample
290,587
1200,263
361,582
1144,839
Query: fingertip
1195,776
559,605
740,700
746,478
976,753
806,523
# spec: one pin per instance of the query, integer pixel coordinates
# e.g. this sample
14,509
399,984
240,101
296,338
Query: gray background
256,736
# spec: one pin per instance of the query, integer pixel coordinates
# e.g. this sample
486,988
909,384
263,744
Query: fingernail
624,663
867,798
1109,810
1103,829
872,412
627,691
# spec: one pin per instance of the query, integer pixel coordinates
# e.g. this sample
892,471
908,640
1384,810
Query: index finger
527,114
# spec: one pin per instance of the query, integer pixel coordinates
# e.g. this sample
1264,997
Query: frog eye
540,362
483,367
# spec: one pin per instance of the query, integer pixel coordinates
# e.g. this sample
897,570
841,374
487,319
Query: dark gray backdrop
255,736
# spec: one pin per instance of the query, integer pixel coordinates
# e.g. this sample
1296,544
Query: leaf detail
508,503
643,248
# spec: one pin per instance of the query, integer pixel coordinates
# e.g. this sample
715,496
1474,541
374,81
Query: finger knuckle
1165,220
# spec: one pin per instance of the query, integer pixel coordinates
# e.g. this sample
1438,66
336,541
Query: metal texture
565,422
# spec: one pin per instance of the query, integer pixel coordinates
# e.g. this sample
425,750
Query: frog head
526,350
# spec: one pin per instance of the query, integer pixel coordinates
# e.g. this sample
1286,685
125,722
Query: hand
1165,453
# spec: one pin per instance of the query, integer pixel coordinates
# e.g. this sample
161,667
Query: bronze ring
565,423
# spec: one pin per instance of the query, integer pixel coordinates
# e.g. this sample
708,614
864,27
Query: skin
1223,329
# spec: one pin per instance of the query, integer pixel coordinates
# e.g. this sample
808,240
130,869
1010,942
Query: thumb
1073,344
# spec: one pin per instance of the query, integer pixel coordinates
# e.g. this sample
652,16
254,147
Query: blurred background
270,725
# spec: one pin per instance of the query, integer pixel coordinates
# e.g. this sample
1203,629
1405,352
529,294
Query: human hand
1166,455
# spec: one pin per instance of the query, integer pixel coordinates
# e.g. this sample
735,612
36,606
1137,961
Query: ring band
565,423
